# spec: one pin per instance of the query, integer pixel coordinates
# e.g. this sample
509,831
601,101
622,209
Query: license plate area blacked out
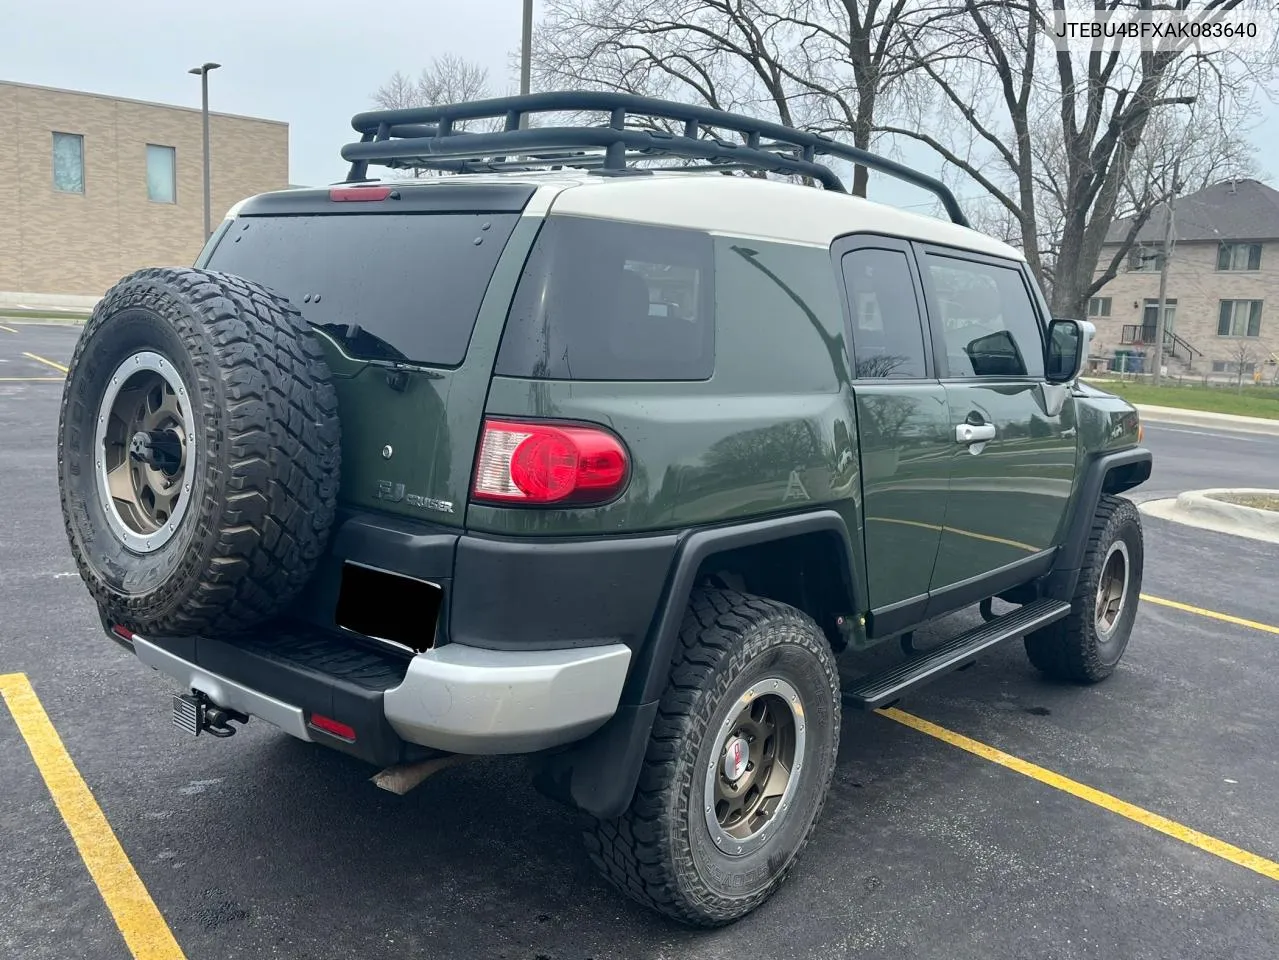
388,607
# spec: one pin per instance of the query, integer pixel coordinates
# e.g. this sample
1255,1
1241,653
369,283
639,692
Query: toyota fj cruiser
588,447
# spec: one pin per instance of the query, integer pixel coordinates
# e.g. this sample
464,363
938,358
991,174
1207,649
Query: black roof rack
431,138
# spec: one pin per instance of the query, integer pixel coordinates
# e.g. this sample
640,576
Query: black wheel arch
598,774
1107,473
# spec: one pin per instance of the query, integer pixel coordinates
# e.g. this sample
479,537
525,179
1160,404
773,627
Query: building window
1232,366
1099,307
1143,259
68,162
162,186
1239,256
1239,318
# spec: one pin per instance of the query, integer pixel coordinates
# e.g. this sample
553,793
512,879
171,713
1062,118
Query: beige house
1222,301
93,187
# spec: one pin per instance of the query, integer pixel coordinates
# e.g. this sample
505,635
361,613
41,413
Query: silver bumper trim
223,692
467,699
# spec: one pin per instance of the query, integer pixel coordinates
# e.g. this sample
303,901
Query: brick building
93,187
1222,302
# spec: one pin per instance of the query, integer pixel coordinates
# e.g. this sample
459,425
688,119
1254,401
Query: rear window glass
400,287
602,300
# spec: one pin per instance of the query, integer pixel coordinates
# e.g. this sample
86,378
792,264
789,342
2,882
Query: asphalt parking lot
263,846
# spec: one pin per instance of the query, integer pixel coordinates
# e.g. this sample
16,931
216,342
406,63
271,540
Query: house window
68,162
1232,366
1143,259
162,184
1239,256
1099,307
1239,318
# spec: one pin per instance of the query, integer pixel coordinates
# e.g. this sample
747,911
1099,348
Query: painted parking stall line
46,361
1210,614
144,929
1171,828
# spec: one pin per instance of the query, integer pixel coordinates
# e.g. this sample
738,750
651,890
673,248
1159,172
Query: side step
873,692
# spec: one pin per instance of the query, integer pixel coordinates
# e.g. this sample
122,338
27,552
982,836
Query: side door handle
974,432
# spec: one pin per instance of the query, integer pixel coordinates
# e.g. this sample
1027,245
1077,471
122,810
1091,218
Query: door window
988,319
888,334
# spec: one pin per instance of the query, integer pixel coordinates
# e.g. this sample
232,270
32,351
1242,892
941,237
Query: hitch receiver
195,713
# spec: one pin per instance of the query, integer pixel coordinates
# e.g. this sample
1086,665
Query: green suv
596,444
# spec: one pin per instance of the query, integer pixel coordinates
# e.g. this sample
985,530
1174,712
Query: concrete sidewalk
1204,419
39,305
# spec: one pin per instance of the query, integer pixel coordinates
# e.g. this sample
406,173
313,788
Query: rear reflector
120,631
329,725
539,463
350,194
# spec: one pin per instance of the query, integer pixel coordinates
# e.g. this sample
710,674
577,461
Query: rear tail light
538,463
350,194
122,631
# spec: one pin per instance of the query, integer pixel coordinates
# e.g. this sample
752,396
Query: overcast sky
311,63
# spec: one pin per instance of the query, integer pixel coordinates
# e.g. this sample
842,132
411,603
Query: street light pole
203,72
526,55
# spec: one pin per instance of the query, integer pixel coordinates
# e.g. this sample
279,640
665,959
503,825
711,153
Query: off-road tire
1071,649
660,852
264,453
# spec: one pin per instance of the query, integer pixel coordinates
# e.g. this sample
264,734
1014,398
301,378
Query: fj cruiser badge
395,493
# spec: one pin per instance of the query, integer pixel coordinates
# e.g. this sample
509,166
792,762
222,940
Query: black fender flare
598,774
1105,473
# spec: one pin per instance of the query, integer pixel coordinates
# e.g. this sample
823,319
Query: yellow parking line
46,362
145,932
7,329
1212,614
1267,868
32,379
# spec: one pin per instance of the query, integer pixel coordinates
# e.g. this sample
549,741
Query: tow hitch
194,713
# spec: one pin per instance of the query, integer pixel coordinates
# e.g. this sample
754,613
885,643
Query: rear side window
397,287
888,333
605,300
988,319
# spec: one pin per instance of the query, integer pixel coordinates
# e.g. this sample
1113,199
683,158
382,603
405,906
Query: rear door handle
974,433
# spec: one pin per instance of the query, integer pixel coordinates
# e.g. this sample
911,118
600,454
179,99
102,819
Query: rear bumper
456,698
466,699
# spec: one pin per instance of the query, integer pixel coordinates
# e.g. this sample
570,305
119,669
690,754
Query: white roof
745,207
753,208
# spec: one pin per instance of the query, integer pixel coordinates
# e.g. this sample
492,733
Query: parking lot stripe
45,361
32,379
144,929
1212,614
1171,828
7,329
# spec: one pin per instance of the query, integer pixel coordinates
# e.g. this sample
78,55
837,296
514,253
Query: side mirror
1068,343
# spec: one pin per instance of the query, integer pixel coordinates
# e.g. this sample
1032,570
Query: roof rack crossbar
429,136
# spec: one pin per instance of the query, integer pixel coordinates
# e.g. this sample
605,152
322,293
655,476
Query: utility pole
1156,373
202,72
526,56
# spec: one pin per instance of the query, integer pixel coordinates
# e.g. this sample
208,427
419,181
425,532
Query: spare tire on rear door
198,459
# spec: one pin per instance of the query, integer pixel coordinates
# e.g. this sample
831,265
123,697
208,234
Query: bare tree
1244,360
449,79
1057,149
822,65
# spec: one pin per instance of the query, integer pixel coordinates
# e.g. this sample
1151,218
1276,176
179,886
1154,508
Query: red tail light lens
539,463
349,194
335,727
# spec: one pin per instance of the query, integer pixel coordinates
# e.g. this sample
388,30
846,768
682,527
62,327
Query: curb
1197,508
1203,418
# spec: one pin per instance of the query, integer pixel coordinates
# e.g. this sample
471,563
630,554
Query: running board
873,692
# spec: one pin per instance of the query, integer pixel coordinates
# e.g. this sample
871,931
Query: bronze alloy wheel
1112,589
144,445
752,776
